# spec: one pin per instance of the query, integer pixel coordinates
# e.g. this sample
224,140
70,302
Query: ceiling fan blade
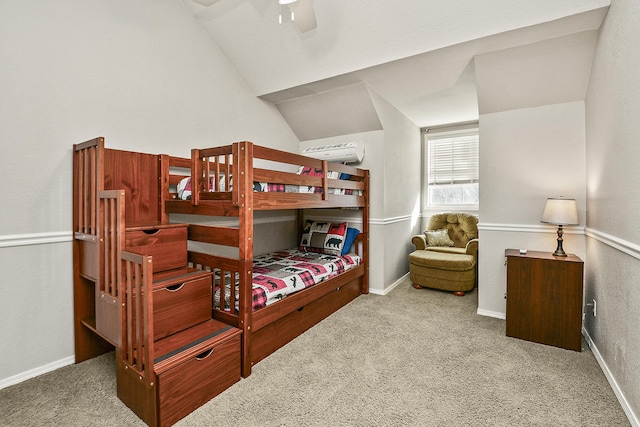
206,2
305,16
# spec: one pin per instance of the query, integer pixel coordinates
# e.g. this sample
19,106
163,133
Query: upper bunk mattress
184,186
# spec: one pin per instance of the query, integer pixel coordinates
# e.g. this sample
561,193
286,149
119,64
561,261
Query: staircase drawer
178,305
166,243
189,385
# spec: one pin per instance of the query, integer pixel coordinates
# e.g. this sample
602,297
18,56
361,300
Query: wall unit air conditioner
348,152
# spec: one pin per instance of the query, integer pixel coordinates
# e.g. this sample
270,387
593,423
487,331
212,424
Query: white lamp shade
560,211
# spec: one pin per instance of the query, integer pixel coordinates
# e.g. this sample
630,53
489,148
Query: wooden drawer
180,302
274,335
166,243
187,386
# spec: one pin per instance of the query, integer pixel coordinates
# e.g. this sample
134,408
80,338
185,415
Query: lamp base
559,251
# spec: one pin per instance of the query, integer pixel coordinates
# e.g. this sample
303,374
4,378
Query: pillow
307,170
323,237
438,237
184,189
352,233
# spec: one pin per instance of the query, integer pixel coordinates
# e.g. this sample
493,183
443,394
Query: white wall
373,161
526,156
613,180
402,183
393,158
142,74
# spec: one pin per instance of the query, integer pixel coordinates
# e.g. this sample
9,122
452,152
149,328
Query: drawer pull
151,231
174,288
204,354
301,308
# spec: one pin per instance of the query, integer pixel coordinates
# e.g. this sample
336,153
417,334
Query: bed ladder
162,381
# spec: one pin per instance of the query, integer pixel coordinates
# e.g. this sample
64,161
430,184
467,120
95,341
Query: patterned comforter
279,274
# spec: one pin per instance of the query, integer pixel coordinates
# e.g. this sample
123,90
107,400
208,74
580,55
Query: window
452,167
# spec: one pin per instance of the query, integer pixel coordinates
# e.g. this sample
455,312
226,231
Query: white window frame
471,176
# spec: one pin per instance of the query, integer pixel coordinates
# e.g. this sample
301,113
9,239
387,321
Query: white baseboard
390,288
36,372
633,419
489,313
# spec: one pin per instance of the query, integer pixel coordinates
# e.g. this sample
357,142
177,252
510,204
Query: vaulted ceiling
436,62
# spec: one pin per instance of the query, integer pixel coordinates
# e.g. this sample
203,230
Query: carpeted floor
410,358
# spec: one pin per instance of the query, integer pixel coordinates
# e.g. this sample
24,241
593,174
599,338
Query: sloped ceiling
342,110
512,79
417,54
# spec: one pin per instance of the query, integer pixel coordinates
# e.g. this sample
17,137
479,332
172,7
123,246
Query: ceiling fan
302,13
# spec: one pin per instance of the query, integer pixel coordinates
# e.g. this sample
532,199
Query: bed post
243,176
196,176
163,186
365,228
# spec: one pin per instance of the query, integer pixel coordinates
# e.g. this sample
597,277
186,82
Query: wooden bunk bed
126,247
213,170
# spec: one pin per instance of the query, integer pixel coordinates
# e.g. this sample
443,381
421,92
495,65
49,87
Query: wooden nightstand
544,298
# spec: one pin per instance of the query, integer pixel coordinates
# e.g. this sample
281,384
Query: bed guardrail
226,273
110,243
212,172
137,344
88,181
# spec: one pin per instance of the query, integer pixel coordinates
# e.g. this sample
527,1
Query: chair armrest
472,248
419,241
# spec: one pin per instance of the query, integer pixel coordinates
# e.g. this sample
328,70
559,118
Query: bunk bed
231,181
131,263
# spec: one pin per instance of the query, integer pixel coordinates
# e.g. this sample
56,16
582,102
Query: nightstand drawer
166,243
181,302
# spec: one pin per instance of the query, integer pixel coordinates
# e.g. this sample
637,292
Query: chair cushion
447,250
442,261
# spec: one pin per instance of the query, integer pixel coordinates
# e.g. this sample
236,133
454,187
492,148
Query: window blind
453,159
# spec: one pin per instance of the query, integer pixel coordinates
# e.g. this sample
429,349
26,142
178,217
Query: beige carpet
411,358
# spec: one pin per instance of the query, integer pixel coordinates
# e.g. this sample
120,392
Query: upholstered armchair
446,254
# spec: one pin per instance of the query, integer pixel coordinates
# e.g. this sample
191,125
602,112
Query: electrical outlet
593,306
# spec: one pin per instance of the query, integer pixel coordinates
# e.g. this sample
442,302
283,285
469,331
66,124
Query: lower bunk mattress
278,274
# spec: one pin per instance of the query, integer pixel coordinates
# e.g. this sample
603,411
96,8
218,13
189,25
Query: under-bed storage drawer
180,301
166,243
194,382
274,335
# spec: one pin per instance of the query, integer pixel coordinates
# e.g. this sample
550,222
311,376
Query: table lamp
561,212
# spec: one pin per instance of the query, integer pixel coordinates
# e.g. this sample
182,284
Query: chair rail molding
614,242
617,243
372,221
12,240
528,228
